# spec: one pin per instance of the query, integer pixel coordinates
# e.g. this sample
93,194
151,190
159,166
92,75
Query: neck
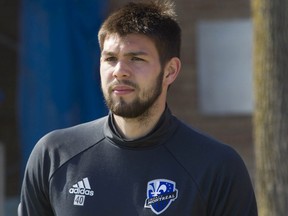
133,128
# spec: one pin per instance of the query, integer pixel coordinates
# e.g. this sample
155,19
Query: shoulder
58,146
87,133
76,138
216,168
195,150
49,154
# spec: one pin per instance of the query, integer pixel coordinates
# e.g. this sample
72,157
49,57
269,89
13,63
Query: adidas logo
81,190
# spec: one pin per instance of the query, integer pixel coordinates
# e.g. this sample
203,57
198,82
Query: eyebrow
137,53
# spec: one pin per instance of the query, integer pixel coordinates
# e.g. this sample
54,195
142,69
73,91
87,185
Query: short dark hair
154,19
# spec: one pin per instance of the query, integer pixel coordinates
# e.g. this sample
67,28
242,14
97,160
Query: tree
270,19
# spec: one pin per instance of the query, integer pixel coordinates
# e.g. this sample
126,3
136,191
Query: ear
172,70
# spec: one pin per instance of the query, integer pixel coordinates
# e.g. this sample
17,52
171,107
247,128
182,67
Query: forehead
129,43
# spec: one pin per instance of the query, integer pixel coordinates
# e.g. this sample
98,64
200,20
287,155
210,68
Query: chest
115,182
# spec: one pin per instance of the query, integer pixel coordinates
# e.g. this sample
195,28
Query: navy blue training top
89,169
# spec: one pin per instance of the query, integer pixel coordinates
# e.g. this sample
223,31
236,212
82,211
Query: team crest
160,194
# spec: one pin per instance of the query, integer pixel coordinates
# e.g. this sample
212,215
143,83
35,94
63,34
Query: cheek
104,73
104,81
148,85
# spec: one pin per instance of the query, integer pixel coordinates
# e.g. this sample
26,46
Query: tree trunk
270,19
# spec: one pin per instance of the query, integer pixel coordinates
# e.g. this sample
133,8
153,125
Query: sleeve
34,199
232,191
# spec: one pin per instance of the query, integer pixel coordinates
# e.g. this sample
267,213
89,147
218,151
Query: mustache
122,82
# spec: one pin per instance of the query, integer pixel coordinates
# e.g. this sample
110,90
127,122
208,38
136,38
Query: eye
134,58
110,59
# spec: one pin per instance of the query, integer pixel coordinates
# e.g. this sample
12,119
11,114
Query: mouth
122,90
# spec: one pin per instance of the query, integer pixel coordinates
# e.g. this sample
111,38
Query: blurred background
49,61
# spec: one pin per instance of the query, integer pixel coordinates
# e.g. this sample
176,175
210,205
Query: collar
165,128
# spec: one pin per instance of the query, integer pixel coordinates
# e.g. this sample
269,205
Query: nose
121,70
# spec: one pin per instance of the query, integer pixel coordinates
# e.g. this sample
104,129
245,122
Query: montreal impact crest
160,194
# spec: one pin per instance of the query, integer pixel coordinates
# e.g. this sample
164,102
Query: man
140,159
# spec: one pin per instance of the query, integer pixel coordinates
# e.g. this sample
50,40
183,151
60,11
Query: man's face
131,74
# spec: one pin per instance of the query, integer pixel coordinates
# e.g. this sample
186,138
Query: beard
140,106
